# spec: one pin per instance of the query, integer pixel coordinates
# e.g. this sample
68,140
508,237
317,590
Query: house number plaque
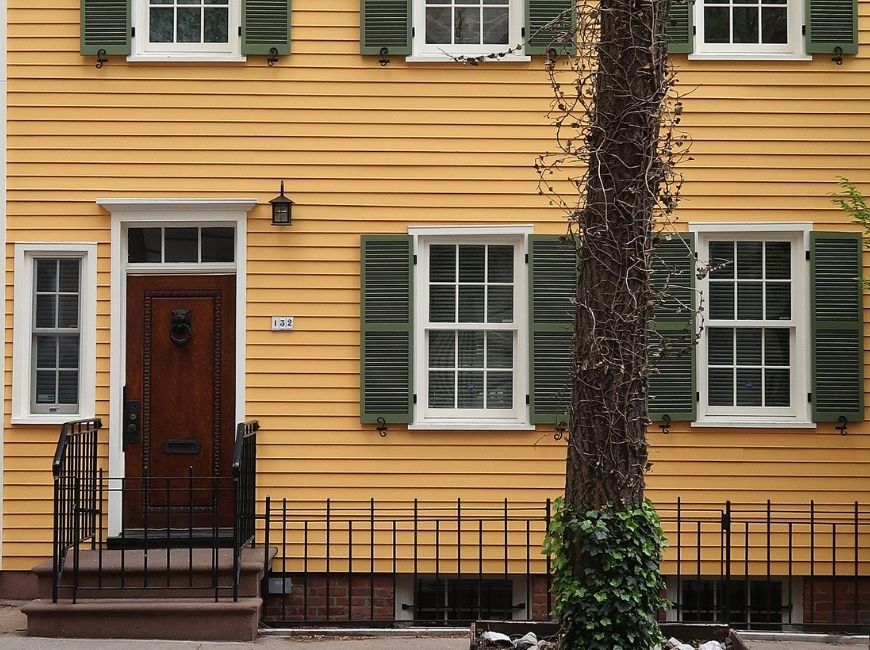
282,323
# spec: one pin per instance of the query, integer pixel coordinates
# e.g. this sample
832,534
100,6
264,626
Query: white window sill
470,426
752,423
46,418
747,56
457,58
186,58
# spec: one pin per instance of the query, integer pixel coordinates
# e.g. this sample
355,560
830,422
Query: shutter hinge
415,398
527,258
803,30
528,400
133,32
240,30
807,255
415,259
523,32
810,398
697,396
413,32
694,31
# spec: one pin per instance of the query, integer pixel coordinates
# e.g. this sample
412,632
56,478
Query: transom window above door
180,244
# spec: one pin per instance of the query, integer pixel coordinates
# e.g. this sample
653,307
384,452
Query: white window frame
143,50
798,414
516,417
22,353
423,51
793,49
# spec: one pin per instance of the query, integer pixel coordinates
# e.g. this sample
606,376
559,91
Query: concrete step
155,573
131,618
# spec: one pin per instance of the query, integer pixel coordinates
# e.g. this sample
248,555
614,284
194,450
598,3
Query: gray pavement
13,626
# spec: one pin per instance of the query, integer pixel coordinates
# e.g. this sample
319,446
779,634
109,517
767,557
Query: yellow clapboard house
318,218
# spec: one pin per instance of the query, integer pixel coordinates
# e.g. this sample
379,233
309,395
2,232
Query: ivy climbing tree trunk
615,127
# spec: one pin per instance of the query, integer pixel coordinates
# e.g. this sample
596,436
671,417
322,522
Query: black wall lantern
282,209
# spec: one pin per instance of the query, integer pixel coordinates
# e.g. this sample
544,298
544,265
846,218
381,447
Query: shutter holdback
101,58
272,59
843,425
838,55
383,60
382,427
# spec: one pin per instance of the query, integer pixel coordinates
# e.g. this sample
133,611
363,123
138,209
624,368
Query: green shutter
552,285
679,28
837,327
672,338
386,337
542,32
832,24
105,25
385,24
265,25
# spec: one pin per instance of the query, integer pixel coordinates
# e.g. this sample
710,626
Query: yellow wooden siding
366,149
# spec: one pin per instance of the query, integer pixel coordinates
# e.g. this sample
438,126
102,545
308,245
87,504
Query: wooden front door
179,401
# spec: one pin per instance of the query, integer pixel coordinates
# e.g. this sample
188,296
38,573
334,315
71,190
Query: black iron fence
180,533
755,566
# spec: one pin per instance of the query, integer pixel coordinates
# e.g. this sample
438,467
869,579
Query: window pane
470,304
499,350
466,25
217,25
442,264
471,349
720,385
218,244
470,389
46,275
777,387
495,25
745,24
722,300
499,393
501,264
442,304
776,347
749,260
749,306
716,25
46,387
69,276
46,311
749,387
778,300
181,245
69,352
471,263
144,245
774,25
720,346
777,262
46,352
438,25
189,25
161,25
749,347
500,307
442,390
442,350
721,259
68,312
68,387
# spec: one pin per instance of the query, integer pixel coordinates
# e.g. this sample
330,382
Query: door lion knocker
179,330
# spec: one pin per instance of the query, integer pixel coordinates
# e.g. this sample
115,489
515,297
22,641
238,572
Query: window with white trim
466,27
53,343
471,330
187,27
753,349
762,27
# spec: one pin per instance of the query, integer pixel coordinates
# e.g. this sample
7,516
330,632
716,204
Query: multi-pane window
188,21
56,335
467,22
185,244
754,327
749,27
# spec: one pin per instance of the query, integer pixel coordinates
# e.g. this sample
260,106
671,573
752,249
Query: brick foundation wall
829,601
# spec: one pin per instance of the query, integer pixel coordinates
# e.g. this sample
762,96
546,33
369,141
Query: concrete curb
375,632
798,637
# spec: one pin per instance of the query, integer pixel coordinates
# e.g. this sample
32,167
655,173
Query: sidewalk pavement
13,627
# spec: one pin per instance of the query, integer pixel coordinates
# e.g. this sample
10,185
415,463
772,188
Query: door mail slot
182,446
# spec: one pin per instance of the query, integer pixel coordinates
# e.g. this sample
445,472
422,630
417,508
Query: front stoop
187,619
176,602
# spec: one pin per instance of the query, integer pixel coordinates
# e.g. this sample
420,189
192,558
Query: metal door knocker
180,331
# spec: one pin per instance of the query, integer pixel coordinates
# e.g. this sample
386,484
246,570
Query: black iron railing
178,533
754,566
